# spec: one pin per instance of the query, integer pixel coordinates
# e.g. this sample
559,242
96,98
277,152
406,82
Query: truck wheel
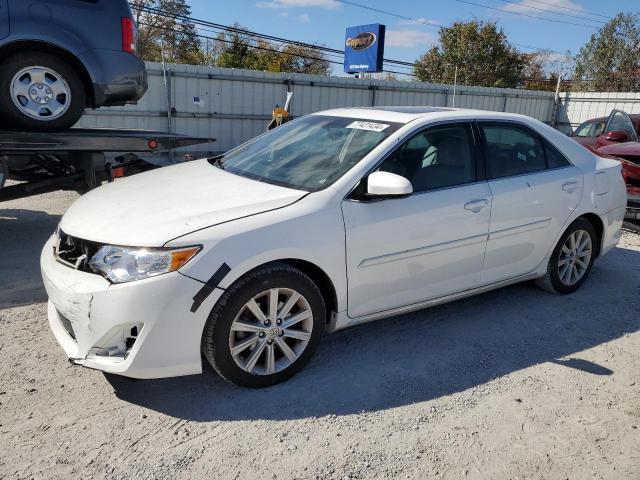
39,92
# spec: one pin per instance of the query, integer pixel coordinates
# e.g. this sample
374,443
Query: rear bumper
117,77
91,318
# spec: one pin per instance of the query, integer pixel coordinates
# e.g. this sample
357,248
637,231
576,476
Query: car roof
406,114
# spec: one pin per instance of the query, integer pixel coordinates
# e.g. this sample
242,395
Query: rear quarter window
555,159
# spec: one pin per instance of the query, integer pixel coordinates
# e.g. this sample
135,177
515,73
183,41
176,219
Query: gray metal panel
577,107
234,105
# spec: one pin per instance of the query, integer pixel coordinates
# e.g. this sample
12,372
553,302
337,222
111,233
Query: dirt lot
516,383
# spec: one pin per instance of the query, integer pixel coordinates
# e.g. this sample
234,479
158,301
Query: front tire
40,92
265,327
572,259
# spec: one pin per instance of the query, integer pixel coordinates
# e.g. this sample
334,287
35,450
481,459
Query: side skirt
346,321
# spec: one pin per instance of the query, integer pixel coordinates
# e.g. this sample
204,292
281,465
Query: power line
290,42
279,44
533,7
258,47
263,48
574,9
423,22
242,31
391,14
527,15
335,53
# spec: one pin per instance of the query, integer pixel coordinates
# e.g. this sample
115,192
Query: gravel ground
515,383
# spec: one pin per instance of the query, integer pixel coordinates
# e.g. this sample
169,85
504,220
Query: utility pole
556,101
455,82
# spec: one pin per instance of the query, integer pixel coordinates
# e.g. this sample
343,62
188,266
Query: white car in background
329,221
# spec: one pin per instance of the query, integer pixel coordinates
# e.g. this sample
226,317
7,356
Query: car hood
151,208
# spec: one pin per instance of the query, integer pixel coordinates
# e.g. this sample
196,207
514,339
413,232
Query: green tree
481,53
233,49
166,32
610,60
236,49
303,59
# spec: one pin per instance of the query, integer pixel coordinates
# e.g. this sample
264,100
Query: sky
325,21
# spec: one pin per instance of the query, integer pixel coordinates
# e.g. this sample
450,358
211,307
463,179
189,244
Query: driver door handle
476,205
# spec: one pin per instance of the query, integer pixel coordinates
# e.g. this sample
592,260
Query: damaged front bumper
140,329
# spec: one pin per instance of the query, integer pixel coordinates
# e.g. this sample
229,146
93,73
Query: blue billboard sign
364,48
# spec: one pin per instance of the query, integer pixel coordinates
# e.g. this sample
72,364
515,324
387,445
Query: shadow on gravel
584,366
22,235
425,355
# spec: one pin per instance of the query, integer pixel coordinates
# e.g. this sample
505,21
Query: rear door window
512,150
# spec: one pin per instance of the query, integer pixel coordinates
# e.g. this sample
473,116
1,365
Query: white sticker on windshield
371,126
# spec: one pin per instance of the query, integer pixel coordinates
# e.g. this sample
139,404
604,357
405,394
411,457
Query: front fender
293,232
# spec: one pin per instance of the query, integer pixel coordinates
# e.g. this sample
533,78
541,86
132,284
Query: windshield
309,153
590,129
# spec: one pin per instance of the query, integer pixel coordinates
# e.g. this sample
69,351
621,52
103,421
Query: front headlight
125,264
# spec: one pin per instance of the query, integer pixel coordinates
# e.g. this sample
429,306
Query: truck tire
39,92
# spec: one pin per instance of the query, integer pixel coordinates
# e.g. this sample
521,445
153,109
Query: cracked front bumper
85,310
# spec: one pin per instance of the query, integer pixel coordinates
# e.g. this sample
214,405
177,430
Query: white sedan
329,221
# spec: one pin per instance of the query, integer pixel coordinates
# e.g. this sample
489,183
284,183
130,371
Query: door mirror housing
618,136
388,185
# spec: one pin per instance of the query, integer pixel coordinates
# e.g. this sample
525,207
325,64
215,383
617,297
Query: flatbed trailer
82,159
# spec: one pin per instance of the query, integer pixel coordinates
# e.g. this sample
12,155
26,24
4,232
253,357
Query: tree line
475,53
171,37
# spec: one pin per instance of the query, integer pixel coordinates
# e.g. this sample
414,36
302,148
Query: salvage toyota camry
328,221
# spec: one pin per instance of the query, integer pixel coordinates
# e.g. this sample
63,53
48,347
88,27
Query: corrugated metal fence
576,107
235,105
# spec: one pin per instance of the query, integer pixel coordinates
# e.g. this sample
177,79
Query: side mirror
618,136
387,184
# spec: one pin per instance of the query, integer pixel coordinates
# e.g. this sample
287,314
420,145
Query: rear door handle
476,205
570,187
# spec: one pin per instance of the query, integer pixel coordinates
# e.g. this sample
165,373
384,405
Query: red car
618,138
592,131
629,154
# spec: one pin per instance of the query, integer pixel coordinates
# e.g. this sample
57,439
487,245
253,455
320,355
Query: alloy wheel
575,257
271,331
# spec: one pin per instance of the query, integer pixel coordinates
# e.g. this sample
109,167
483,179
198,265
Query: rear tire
39,92
265,327
572,259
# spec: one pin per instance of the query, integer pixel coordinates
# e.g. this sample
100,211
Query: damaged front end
140,329
72,288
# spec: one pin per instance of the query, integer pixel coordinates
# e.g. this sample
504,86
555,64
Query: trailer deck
81,159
